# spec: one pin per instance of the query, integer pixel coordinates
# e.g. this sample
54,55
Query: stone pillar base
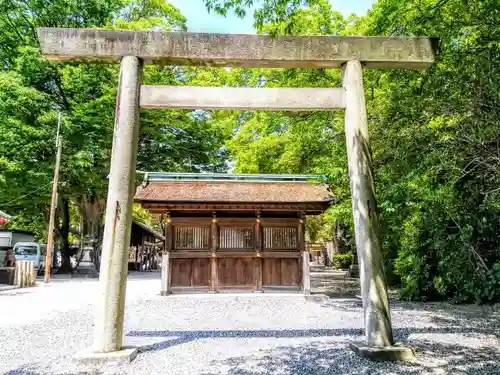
397,352
86,267
120,357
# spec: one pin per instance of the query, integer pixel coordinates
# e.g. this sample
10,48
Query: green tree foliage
343,260
33,89
26,138
436,141
279,16
434,135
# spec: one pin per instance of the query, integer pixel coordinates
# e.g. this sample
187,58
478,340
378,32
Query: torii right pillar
379,343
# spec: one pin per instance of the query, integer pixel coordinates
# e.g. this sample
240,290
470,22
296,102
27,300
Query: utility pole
53,204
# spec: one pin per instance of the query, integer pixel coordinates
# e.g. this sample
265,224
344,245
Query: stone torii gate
133,49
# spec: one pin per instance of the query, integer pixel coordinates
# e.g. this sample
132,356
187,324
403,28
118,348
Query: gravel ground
272,334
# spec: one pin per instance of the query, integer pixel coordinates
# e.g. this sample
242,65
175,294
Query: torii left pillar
109,313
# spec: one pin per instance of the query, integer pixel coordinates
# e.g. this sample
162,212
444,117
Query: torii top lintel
237,50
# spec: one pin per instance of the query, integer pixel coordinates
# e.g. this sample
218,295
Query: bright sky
199,20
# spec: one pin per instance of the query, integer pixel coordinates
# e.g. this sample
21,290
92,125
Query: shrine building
227,232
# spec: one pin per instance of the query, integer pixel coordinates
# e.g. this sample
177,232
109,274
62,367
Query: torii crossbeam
133,49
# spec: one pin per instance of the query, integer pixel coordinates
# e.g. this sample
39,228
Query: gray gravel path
41,328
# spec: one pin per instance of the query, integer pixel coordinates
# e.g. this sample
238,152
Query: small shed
9,237
146,245
234,232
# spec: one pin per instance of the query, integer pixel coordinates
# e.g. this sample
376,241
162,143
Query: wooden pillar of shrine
214,244
165,261
306,278
258,252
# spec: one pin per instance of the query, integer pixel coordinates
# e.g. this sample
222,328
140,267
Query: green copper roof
167,176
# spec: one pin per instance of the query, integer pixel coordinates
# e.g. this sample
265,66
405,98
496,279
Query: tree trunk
64,232
335,237
326,259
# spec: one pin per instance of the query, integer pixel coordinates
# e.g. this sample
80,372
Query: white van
33,252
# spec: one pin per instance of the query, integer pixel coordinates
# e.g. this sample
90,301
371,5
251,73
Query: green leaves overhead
26,132
278,17
435,137
147,15
86,94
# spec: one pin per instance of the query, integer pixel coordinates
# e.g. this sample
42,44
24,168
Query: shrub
343,261
491,290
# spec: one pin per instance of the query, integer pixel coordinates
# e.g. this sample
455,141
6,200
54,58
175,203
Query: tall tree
86,95
434,134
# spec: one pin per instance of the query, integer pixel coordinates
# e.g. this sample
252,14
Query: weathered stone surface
364,207
395,352
108,328
88,357
243,98
238,50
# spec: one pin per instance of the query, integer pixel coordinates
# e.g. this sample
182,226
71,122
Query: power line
27,195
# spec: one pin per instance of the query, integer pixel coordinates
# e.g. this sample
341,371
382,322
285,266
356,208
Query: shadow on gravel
324,359
173,338
334,285
33,370
474,318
